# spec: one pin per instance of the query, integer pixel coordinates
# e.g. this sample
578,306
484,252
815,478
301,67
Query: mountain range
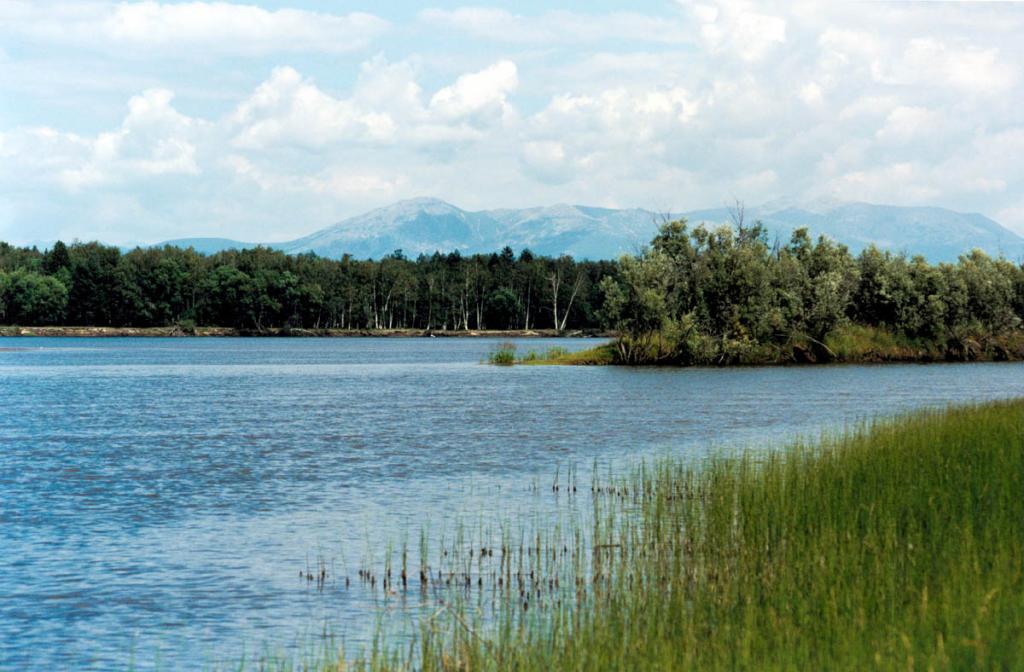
426,225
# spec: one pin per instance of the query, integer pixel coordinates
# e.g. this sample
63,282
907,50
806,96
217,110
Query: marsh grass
503,354
551,354
894,545
600,355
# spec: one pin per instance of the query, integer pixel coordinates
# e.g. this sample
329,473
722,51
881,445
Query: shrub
187,326
503,354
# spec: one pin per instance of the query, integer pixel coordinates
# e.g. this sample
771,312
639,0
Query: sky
136,122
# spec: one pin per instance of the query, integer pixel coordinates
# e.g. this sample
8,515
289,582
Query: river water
159,497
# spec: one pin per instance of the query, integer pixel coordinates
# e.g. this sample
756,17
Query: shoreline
230,332
997,350
859,351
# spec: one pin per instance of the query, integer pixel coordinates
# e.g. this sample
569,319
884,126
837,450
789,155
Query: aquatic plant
503,354
893,545
602,354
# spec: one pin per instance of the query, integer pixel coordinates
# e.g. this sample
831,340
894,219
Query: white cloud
909,103
811,94
478,94
895,183
930,61
150,27
842,46
1012,216
287,109
333,183
908,123
868,106
385,107
153,140
557,26
285,112
389,86
737,27
759,182
617,116
547,161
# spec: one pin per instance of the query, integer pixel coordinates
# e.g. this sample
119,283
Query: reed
893,545
602,354
503,354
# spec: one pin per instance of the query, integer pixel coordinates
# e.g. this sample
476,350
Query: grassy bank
896,545
506,354
851,344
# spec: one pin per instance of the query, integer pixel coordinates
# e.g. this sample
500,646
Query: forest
90,284
731,296
693,296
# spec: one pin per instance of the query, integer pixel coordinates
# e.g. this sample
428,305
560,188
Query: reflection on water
157,496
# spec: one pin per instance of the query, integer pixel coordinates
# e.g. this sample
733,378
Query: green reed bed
505,354
898,544
502,354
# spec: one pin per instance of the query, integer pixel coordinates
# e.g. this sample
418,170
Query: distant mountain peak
425,225
562,209
422,203
819,205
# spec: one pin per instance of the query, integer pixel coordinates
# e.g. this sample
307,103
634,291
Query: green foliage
601,355
503,354
702,296
892,546
556,352
857,342
31,298
550,356
724,296
260,289
502,308
896,546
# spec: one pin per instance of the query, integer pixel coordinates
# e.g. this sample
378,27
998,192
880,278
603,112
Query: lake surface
158,497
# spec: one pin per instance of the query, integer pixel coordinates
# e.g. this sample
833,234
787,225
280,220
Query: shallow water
159,496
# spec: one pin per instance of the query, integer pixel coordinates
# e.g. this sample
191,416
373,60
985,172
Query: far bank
227,332
850,344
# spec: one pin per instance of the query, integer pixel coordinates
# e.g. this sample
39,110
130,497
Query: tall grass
602,354
898,545
503,354
895,545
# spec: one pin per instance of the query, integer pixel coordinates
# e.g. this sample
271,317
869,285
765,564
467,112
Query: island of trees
726,295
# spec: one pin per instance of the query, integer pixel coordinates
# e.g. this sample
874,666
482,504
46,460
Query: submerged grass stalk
895,545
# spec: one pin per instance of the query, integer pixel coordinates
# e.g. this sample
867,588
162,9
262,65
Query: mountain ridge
425,225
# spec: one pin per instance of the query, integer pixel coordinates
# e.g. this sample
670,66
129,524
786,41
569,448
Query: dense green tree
719,295
990,288
693,295
94,292
30,298
57,260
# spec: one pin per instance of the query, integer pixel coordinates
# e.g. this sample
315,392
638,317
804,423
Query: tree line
259,289
731,295
694,295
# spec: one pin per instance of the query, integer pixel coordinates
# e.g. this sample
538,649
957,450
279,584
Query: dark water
158,497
